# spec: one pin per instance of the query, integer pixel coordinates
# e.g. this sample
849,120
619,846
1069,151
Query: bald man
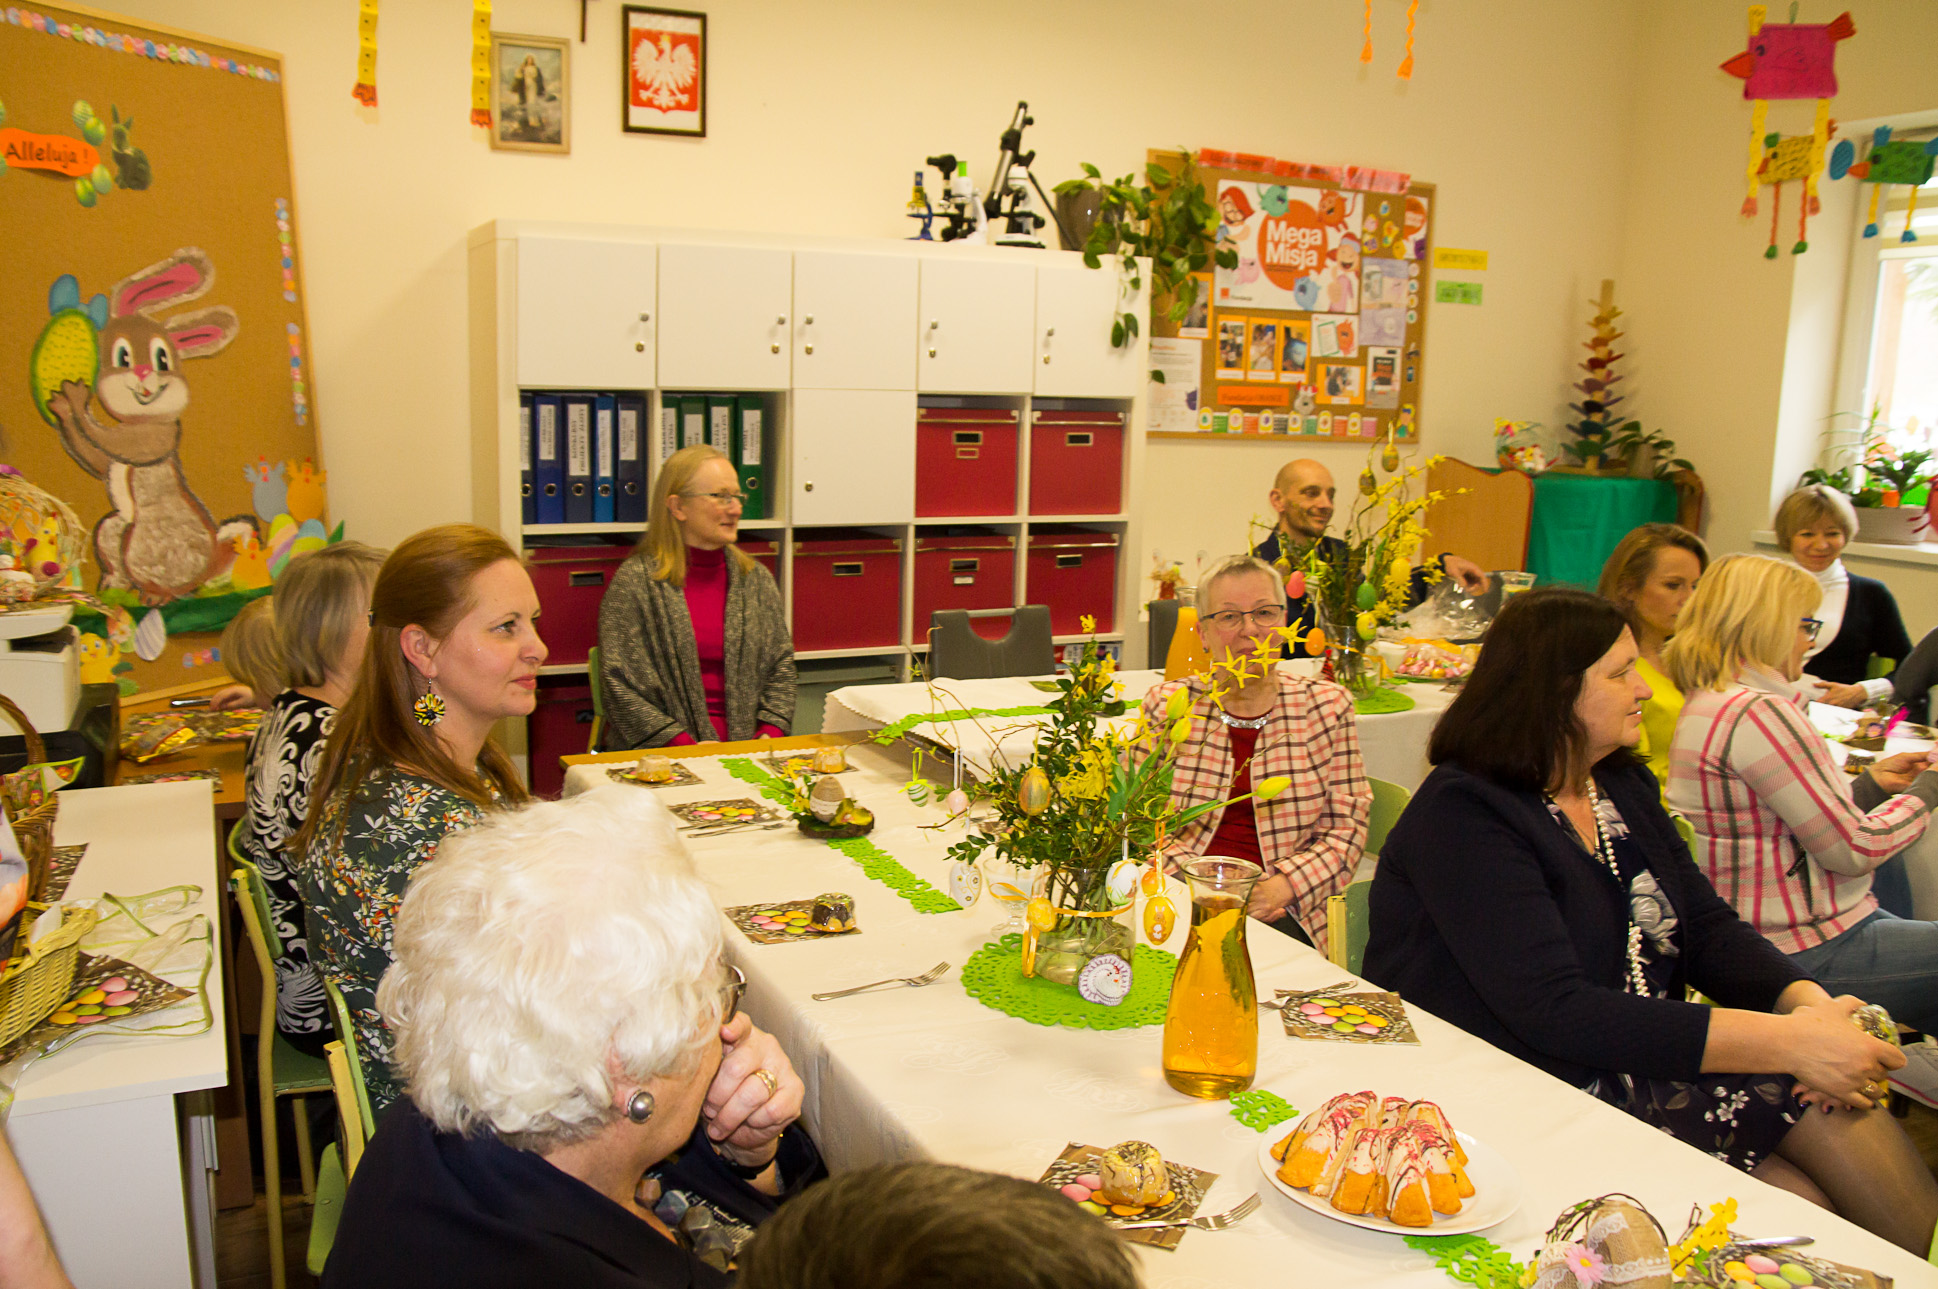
1302,497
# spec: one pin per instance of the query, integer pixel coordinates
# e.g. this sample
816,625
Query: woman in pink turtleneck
693,643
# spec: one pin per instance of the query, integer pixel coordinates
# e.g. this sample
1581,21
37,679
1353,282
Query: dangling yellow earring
429,708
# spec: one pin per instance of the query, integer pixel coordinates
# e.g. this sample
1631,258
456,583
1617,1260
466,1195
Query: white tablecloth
1394,746
932,1073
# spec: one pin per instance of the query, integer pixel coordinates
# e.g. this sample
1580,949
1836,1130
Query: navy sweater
1871,625
1488,914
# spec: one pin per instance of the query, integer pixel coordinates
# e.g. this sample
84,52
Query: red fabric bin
1074,573
1076,463
847,591
972,571
570,581
965,462
561,725
765,553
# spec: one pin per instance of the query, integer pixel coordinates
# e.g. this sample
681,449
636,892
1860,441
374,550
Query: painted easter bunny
159,540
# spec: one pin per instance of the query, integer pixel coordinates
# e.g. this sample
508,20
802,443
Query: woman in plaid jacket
1309,837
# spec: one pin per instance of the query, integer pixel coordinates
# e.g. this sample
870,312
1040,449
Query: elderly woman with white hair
585,1105
1267,724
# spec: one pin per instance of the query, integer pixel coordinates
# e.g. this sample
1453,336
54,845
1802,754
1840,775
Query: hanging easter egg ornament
1160,915
1368,625
1122,878
1041,914
1152,881
1295,586
917,791
1033,791
1368,485
1367,595
1389,459
956,803
1315,642
1105,979
965,883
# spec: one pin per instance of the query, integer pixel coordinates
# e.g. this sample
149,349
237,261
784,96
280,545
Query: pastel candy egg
1342,1027
1076,1192
1312,1009
92,996
88,1020
1770,1281
1092,1206
795,929
1367,1029
1127,1210
116,1011
1738,1272
1378,1022
87,1009
1795,1274
120,998
1326,1002
115,984
62,1018
1094,1181
1761,1265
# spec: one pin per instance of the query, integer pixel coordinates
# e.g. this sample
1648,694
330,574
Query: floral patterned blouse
283,760
368,845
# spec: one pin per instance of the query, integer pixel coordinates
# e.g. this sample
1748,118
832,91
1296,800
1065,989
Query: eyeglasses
1811,626
726,500
731,992
1269,615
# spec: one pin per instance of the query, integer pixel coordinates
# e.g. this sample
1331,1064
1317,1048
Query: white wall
1572,141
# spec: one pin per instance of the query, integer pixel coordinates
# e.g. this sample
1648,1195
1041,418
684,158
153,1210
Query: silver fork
928,977
1209,1222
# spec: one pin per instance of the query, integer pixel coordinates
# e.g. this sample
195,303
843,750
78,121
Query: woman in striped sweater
1782,832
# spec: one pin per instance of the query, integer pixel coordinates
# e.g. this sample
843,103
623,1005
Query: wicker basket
33,829
37,982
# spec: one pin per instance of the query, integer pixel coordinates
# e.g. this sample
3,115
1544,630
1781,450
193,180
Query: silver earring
639,1106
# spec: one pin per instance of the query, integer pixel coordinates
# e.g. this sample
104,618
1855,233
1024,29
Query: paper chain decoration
1788,61
1405,70
365,90
1889,161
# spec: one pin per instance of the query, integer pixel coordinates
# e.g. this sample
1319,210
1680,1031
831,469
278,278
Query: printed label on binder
578,439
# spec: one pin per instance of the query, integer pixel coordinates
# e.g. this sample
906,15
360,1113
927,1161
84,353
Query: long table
932,1073
124,1186
1393,745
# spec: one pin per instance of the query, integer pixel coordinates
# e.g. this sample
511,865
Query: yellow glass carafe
1211,1026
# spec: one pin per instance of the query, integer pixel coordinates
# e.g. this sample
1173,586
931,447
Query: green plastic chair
354,1119
1389,800
346,1034
281,1070
594,673
1346,925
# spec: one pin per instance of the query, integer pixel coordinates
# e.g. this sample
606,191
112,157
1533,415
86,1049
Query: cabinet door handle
933,324
645,317
810,320
781,321
807,487
809,348
773,349
931,353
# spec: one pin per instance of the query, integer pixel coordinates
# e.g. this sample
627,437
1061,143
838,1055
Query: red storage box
559,726
974,571
1075,574
847,591
570,581
965,462
767,554
1076,463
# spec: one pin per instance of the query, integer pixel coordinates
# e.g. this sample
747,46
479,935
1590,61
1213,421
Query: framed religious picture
531,98
665,71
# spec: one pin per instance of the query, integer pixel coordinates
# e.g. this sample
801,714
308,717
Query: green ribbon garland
895,729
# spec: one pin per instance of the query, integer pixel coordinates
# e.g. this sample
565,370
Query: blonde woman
1783,834
322,608
692,641
1860,617
1650,575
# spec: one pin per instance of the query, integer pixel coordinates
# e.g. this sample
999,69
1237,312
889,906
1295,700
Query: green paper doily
994,977
877,863
1259,1109
894,730
1382,702
1471,1259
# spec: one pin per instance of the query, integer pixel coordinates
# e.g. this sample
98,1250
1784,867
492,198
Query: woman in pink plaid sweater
1309,837
1782,832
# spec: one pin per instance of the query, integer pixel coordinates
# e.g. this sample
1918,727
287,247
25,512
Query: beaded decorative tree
1598,424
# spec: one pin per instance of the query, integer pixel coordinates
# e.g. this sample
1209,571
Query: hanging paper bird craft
1787,157
1889,161
1788,61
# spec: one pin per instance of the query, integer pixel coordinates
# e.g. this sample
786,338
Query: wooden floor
242,1236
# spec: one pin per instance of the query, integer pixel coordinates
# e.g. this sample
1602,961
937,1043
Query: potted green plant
1166,219
1651,454
1864,465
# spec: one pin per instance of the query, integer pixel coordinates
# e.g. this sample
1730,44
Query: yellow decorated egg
1033,791
68,349
1040,914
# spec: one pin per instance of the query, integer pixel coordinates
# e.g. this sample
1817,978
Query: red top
706,604
1237,835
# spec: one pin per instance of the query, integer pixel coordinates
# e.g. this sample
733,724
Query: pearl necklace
1605,851
1242,722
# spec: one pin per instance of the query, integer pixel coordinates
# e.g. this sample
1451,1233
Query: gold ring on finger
767,1077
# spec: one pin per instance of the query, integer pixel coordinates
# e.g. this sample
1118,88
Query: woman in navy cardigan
1536,894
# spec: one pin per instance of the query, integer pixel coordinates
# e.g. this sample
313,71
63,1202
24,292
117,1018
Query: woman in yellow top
1650,576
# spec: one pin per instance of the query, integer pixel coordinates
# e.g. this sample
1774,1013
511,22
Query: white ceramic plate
1497,1191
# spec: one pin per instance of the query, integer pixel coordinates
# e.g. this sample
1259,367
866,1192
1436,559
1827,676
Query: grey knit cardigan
651,666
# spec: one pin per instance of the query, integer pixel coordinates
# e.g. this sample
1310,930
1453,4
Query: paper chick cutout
1788,61
1889,161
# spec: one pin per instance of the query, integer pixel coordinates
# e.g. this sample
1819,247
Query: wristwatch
747,1172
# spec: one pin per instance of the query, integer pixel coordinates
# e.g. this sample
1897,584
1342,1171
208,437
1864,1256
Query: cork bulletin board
153,338
1320,330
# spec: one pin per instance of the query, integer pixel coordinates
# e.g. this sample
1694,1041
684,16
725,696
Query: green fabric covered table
1578,519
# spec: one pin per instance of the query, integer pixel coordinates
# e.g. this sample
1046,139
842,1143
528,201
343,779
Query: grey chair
958,653
1164,625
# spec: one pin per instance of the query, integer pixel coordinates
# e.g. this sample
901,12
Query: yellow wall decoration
365,91
481,63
